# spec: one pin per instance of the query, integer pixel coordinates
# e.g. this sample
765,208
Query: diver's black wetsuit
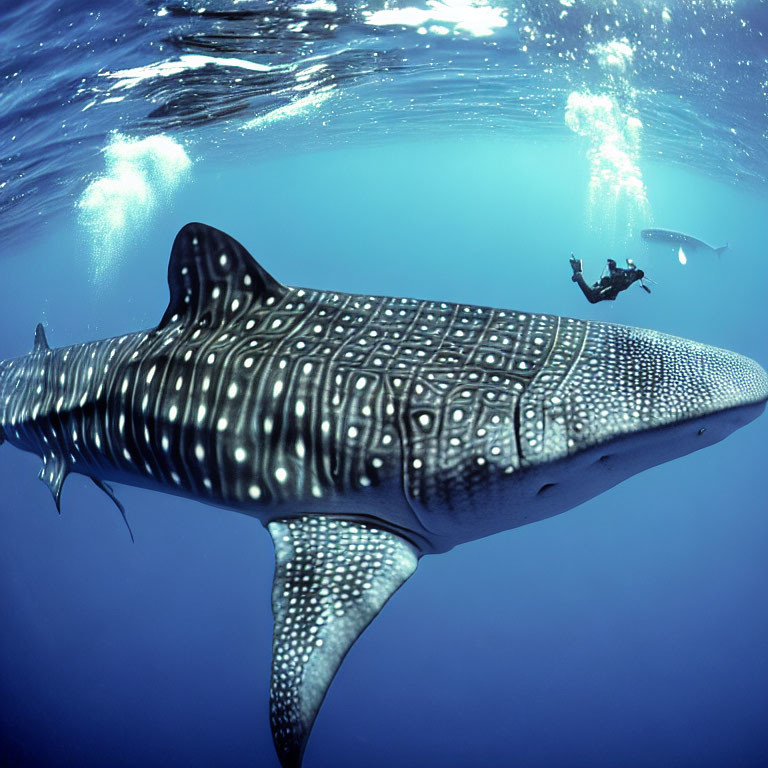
609,286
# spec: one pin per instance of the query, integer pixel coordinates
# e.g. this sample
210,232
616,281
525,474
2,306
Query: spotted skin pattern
321,605
359,426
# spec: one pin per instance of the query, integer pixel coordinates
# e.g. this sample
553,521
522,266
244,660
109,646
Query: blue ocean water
450,150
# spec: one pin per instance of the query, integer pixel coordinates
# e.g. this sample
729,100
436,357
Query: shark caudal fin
332,577
719,251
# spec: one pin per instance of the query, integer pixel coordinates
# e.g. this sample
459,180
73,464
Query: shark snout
630,380
738,391
694,379
740,378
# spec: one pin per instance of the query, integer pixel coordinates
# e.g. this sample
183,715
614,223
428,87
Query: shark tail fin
332,577
719,251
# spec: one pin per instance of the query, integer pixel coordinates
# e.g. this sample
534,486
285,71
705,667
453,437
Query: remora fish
671,237
364,432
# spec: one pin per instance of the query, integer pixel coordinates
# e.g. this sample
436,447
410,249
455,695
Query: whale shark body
363,431
671,237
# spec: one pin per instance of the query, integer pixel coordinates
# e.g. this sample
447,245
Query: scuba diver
609,286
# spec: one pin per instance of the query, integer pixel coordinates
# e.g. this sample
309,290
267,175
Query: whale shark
363,431
670,236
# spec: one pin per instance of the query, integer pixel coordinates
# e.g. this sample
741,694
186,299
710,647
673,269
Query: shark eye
702,430
546,487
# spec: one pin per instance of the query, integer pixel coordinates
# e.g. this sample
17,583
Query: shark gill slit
328,466
562,389
404,432
317,439
516,425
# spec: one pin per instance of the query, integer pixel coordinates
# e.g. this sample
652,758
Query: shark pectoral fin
53,474
41,343
212,278
331,579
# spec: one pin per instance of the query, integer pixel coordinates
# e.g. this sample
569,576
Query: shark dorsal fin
212,278
332,577
41,343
